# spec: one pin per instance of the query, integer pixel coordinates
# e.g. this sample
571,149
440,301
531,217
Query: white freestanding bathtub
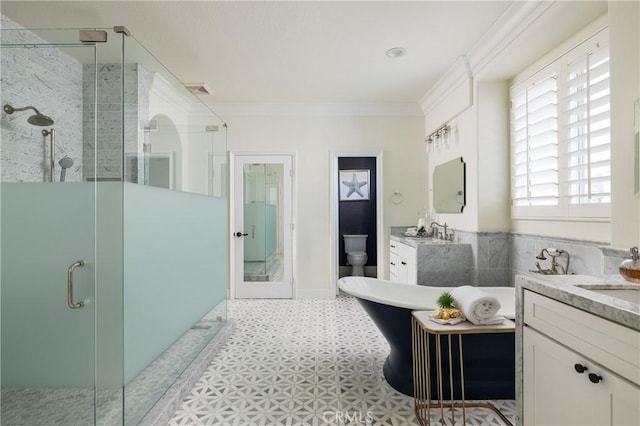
489,358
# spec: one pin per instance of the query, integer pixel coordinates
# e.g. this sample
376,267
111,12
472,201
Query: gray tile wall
51,81
109,125
64,89
497,257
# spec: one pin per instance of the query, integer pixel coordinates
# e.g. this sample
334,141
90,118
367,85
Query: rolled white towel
478,307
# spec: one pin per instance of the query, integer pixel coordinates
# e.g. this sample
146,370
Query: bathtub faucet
556,267
436,224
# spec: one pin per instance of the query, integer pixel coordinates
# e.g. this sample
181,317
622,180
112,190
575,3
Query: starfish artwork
354,186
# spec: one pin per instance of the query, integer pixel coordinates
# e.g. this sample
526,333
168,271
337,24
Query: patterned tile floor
304,362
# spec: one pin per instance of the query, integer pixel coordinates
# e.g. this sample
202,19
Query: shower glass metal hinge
93,36
121,29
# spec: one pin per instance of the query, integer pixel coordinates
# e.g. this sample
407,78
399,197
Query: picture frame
354,185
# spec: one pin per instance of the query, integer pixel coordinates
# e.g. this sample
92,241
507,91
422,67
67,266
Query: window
560,136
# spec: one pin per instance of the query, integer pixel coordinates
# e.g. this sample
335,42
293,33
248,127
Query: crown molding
518,16
317,108
459,73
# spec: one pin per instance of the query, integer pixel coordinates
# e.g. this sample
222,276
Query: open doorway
357,212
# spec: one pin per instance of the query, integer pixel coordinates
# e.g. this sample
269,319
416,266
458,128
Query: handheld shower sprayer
64,163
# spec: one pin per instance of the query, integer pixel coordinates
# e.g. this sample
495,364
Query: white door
262,226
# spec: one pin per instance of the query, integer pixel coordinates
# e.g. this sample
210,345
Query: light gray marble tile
494,278
52,85
444,264
494,251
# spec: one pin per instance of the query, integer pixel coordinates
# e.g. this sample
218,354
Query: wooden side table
422,328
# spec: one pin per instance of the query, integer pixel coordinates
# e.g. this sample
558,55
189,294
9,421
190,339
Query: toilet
356,248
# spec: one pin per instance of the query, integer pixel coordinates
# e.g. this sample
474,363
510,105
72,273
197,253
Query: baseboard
315,293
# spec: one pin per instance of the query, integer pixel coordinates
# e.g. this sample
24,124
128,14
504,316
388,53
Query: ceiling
304,51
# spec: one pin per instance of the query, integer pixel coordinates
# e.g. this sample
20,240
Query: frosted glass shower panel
48,224
45,344
172,241
144,160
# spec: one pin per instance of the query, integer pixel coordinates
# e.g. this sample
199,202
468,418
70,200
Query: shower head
541,256
38,119
65,163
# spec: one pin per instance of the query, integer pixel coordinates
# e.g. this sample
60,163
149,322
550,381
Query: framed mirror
449,186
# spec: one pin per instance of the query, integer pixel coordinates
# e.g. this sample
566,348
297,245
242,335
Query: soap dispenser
630,268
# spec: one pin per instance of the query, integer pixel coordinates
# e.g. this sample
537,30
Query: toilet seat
357,253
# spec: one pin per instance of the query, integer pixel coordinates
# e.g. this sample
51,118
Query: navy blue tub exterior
489,359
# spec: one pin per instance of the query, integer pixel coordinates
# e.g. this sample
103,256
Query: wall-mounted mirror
449,186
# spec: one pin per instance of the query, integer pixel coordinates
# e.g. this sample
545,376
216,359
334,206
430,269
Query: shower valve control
240,234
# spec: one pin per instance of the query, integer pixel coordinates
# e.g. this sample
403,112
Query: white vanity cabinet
393,260
403,262
578,369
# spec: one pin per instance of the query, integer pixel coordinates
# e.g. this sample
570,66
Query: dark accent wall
359,217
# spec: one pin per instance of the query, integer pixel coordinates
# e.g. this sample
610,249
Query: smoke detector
199,88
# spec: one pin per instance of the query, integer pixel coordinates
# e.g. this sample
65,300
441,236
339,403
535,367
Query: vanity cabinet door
403,271
393,261
407,271
555,392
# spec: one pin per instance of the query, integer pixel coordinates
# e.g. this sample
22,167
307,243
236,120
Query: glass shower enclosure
113,226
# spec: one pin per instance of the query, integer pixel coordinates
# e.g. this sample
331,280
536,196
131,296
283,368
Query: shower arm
10,110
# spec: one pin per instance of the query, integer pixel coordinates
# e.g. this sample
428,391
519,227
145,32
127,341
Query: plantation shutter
534,135
587,122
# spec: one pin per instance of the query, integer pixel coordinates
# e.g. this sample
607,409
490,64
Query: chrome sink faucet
436,224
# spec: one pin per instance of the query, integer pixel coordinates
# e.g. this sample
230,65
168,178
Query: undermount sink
624,293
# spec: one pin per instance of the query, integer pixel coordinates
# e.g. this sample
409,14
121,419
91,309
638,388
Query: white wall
624,33
481,137
494,191
313,138
484,143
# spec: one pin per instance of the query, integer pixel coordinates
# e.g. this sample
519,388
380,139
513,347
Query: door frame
335,217
232,217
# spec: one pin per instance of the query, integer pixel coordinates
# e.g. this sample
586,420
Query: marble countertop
569,289
415,241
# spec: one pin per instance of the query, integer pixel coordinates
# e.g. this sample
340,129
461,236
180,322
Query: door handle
70,302
240,234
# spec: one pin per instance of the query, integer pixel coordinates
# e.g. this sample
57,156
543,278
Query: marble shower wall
50,80
109,125
63,88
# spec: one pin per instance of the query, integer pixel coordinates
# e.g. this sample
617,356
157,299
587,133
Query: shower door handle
70,302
